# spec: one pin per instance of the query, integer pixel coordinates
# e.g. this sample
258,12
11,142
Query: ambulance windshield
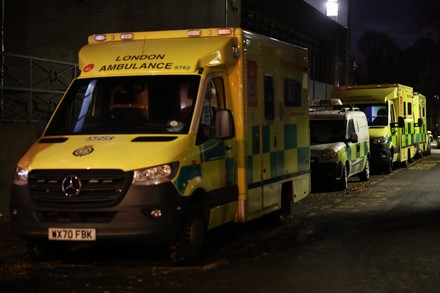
127,105
327,131
377,114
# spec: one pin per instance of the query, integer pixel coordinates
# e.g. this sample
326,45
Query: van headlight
20,176
380,140
155,175
329,154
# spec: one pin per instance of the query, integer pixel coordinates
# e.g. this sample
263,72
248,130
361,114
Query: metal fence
31,87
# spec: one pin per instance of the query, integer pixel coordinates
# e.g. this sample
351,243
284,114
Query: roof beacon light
127,36
327,103
194,33
100,38
224,31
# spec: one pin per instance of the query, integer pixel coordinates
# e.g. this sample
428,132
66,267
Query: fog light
156,213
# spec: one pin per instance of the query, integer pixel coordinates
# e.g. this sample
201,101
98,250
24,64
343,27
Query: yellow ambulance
166,135
422,138
390,112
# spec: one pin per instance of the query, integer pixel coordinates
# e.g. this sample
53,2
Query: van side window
269,97
409,108
350,129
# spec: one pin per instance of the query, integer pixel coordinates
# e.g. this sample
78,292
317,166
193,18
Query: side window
350,129
214,100
292,92
269,97
392,113
409,108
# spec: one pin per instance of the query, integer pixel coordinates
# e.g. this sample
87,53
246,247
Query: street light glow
332,8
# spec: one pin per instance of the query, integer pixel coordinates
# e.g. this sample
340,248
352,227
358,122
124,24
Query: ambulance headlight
329,154
155,175
380,140
20,176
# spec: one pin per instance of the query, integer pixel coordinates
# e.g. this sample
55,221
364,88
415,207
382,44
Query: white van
340,146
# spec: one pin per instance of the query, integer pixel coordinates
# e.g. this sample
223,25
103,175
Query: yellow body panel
116,152
421,137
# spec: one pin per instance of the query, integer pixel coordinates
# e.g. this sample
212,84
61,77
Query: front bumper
128,218
380,155
326,172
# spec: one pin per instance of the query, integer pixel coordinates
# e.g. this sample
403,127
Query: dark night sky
396,17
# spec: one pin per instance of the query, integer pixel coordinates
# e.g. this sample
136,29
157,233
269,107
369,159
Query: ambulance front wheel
189,246
389,166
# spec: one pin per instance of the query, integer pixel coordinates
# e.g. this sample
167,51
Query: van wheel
365,174
189,246
389,166
342,184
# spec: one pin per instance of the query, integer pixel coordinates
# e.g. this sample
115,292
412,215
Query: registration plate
72,234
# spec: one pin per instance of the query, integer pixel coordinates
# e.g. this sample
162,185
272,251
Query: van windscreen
327,131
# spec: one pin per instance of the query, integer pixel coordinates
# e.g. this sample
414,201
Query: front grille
76,217
99,188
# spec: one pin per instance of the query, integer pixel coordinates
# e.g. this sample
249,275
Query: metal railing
30,88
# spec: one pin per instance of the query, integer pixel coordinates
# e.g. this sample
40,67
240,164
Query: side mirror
224,124
354,138
420,122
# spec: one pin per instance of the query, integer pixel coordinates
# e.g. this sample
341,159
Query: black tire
284,216
427,152
389,166
188,248
342,184
365,174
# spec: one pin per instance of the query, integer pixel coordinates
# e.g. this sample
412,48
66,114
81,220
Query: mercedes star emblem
71,185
